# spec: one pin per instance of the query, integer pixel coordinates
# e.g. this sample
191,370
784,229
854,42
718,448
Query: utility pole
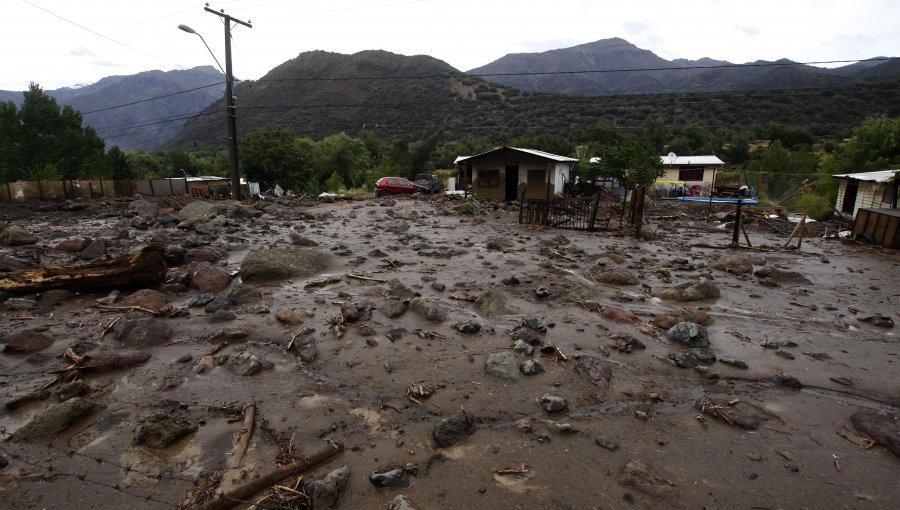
229,102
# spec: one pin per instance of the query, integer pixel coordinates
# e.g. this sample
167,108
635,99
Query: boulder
195,210
401,502
737,264
699,290
688,333
148,299
491,302
162,430
26,341
14,235
326,492
503,365
282,263
209,279
55,420
453,430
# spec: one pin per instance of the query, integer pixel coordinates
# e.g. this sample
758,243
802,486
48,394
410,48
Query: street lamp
229,95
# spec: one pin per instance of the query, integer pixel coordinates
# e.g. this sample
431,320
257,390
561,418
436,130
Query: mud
629,436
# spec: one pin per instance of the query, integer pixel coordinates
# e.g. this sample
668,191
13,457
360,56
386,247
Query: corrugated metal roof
691,160
533,152
877,176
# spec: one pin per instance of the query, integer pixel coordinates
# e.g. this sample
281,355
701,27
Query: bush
816,205
468,208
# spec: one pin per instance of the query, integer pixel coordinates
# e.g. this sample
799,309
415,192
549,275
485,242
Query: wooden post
171,188
91,188
102,193
152,191
9,192
41,190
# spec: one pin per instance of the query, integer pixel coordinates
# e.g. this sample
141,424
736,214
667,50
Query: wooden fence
33,191
572,213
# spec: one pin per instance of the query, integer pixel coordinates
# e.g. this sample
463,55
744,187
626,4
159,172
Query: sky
58,43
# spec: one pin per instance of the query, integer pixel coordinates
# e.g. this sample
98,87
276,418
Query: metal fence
576,213
32,191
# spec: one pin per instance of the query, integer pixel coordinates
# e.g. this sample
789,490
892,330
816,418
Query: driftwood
243,493
146,267
245,435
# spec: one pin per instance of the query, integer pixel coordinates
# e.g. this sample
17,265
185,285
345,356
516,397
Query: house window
537,178
690,174
489,178
890,193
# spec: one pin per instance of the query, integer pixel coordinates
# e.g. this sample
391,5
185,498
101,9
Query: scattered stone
734,362
350,312
619,315
771,273
453,430
879,321
707,373
524,426
394,308
136,330
468,327
503,365
162,430
195,210
71,245
245,363
175,254
532,367
202,255
282,263
288,317
299,240
754,456
537,322
55,297
606,443
627,343
784,354
216,304
25,341
691,358
428,310
882,426
209,279
736,264
55,419
616,277
699,290
394,479
738,414
491,302
17,303
148,299
222,316
689,333
94,250
647,479
326,492
553,404
401,502
70,390
14,235
542,292
523,347
242,294
438,287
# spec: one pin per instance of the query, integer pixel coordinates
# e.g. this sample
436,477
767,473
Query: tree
346,156
630,164
875,145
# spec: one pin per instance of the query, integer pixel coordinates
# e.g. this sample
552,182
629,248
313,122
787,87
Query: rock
207,228
707,373
55,420
282,263
736,264
553,404
523,347
209,279
350,312
393,479
734,362
21,303
55,297
616,277
288,317
428,310
14,235
619,315
537,322
144,209
524,426
242,294
196,210
467,327
216,304
94,250
491,302
606,444
647,479
162,430
202,255
780,276
699,290
148,299
26,341
628,343
71,245
175,254
882,426
542,292
299,240
394,308
401,502
503,365
689,333
135,330
70,390
532,367
222,316
693,357
245,363
326,492
453,430
200,300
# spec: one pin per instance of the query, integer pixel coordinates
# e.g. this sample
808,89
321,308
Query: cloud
105,63
81,51
750,31
635,28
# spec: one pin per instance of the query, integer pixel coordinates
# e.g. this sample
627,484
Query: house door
850,196
512,182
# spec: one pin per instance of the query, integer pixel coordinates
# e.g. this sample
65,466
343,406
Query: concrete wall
32,191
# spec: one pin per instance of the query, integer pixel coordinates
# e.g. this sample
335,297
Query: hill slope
117,126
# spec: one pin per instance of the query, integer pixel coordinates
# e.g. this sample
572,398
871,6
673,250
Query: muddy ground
353,360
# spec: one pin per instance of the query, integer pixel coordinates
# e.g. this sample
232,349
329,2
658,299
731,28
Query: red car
396,185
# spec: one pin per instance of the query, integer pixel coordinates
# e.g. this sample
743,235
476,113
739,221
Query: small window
890,193
690,174
392,182
404,182
489,178
537,178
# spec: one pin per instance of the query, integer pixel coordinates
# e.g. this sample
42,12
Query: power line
139,101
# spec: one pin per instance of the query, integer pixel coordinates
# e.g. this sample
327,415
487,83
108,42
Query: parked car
397,185
431,182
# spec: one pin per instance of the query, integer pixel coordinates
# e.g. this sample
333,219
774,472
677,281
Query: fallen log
146,267
243,493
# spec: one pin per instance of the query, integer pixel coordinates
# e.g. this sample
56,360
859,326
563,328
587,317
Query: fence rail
573,213
33,191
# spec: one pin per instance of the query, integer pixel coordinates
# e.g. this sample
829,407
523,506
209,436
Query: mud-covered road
670,372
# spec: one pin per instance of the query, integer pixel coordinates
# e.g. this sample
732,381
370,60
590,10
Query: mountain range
142,124
612,81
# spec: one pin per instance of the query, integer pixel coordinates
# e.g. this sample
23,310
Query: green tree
346,156
630,164
875,145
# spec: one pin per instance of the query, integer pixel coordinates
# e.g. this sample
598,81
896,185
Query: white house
505,172
698,173
866,190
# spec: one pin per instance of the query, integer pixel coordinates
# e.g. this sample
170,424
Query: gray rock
394,479
175,254
693,357
428,310
616,277
491,302
503,365
326,492
195,210
245,363
242,294
401,502
144,209
55,297
135,330
689,333
780,276
467,327
736,264
532,367
882,426
209,279
281,264
216,304
95,250
202,255
523,347
25,341
55,420
699,290
299,240
736,363
542,292
14,235
222,316
20,303
537,322
453,430
162,430
201,300
288,317
553,404
394,308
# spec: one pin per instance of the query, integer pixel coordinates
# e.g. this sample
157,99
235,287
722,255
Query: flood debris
881,426
647,479
737,413
55,420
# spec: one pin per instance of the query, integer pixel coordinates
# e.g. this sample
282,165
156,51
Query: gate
571,213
